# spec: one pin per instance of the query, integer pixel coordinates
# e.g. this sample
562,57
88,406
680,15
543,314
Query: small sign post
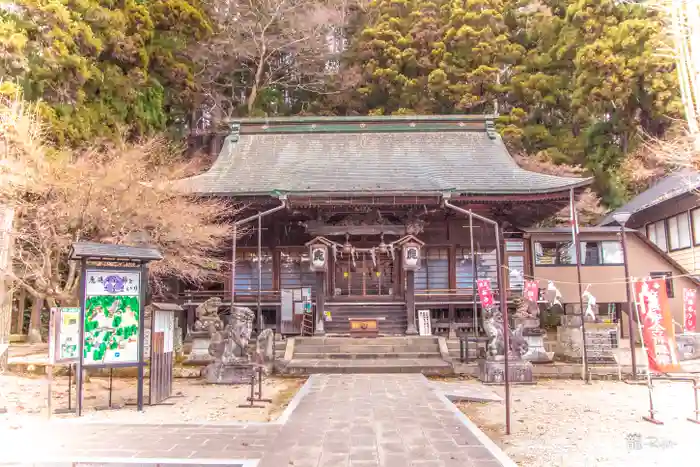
64,338
424,324
162,331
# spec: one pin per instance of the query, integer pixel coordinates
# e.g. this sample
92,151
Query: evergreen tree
100,65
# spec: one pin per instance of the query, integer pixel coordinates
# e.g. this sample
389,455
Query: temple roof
377,155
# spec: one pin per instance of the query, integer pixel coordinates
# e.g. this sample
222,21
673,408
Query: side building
602,268
668,214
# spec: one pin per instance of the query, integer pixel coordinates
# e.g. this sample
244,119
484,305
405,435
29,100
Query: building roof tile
369,155
669,187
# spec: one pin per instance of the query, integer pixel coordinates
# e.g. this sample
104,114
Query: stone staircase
391,317
427,355
453,349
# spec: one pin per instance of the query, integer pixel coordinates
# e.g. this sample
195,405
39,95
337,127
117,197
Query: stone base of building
219,373
494,371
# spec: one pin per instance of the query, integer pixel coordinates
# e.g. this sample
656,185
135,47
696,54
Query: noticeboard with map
111,325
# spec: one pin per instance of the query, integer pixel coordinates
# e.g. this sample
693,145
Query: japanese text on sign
657,325
690,314
485,294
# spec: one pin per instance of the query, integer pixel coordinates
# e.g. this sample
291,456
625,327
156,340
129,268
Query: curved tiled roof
411,155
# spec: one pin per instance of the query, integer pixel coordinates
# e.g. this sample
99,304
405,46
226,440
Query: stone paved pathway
341,421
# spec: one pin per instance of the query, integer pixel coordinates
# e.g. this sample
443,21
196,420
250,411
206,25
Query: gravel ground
567,423
25,399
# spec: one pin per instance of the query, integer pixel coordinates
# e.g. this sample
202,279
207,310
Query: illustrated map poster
111,326
64,326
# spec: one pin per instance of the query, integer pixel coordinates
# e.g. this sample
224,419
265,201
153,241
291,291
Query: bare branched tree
116,194
268,45
588,205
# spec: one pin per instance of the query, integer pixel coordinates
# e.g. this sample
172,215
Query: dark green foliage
101,67
575,81
578,81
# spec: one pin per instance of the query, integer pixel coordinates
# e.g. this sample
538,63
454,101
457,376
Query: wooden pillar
331,275
410,304
320,303
276,285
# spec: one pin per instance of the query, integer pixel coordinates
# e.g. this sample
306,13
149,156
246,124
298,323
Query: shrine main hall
352,224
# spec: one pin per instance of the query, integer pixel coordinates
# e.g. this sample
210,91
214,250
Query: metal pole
628,284
49,372
260,317
577,257
506,328
233,265
474,273
70,384
142,321
109,402
81,344
504,307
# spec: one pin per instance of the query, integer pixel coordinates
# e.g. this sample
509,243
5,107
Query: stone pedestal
178,344
534,336
688,346
601,340
220,373
199,353
493,371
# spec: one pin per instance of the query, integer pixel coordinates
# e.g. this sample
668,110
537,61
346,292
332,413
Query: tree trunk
34,333
253,96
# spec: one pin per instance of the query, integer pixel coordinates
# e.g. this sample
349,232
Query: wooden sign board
424,324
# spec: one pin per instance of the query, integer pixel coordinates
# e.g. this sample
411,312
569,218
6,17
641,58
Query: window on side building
554,253
608,252
695,214
656,233
679,232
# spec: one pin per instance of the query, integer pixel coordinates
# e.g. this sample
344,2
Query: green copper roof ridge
363,119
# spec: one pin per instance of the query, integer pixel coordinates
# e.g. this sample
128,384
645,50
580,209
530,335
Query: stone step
356,306
366,309
359,341
366,313
368,355
427,366
367,348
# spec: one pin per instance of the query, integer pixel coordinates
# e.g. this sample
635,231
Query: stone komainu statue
230,344
493,325
229,347
206,313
